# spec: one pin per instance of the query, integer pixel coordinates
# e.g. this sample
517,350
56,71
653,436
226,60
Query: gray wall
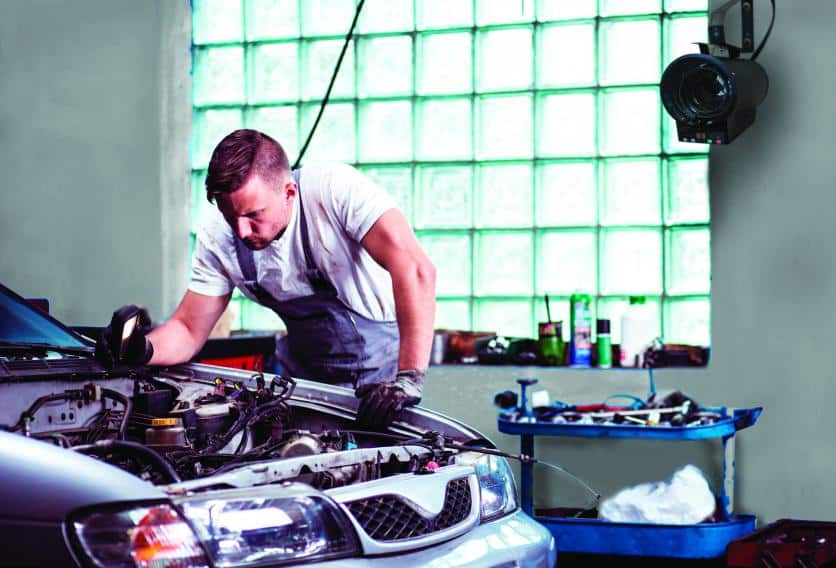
94,132
773,205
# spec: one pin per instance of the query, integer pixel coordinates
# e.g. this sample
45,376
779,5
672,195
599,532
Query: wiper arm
35,346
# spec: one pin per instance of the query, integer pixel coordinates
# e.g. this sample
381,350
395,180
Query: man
326,250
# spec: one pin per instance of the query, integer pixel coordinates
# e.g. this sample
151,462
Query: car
199,465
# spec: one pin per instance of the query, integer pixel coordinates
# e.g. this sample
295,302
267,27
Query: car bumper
513,541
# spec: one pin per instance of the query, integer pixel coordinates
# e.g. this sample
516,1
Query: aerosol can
580,318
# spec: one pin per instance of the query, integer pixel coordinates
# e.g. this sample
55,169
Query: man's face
259,210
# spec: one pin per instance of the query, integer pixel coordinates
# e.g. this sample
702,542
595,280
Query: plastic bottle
638,330
604,344
580,340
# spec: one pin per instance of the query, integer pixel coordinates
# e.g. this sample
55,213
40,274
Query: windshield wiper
35,346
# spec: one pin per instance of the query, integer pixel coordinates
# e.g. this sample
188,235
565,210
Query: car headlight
266,526
144,536
496,484
269,526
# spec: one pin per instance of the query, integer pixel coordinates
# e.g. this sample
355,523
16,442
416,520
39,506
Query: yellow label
160,422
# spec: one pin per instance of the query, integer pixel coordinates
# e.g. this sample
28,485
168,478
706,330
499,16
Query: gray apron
326,340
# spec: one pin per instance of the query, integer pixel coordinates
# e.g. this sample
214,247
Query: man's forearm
414,291
173,343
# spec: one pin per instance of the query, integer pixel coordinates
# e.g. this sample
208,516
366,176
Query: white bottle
638,330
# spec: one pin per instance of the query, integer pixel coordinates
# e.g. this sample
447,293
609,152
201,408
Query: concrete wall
773,205
94,131
94,134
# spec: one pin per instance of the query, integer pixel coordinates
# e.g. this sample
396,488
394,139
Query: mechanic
324,248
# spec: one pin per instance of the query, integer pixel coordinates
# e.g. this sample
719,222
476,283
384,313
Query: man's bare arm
393,245
181,337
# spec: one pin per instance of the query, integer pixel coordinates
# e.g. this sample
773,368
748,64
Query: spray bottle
580,318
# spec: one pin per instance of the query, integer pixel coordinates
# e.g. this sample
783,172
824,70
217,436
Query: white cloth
341,205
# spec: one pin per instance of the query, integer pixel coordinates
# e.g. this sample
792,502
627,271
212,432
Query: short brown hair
240,154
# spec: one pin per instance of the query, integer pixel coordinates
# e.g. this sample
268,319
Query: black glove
123,342
380,402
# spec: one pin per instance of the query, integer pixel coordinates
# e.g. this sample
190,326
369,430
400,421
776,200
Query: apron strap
315,277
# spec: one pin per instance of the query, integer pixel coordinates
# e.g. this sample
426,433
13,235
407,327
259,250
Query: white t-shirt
341,205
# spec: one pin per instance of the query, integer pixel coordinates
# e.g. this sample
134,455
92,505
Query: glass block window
524,139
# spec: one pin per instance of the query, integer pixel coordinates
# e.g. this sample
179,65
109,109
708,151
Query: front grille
388,517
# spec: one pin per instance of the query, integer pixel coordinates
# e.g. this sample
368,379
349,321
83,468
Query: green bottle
580,332
604,344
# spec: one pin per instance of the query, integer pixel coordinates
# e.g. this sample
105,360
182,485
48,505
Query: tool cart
594,536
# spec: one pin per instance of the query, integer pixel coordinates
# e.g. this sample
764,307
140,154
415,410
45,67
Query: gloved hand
380,402
123,342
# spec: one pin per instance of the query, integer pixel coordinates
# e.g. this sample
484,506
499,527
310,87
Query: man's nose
244,230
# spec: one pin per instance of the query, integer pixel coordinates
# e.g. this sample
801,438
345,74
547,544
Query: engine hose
126,402
131,449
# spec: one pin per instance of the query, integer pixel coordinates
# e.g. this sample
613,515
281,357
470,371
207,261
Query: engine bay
167,429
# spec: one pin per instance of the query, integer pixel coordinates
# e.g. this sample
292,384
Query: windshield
20,322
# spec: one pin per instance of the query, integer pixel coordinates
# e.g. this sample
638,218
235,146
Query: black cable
126,402
130,448
330,84
766,36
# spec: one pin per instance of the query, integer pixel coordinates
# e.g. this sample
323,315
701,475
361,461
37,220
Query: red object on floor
245,362
785,543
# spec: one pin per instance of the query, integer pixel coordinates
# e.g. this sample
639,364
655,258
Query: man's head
249,177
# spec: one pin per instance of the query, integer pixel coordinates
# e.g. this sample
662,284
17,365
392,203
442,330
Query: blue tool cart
594,536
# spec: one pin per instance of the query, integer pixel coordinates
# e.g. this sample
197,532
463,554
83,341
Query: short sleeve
357,201
208,276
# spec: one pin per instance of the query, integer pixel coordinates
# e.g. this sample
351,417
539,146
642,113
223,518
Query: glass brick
385,131
444,197
510,318
629,7
438,14
397,181
455,75
445,130
320,59
672,143
566,9
489,12
504,263
334,139
566,125
452,314
631,192
274,72
613,309
217,21
504,195
566,55
327,17
688,261
504,60
686,5
630,122
255,317
386,16
629,52
201,208
631,261
567,261
688,321
210,127
450,253
687,191
280,123
566,193
682,33
385,66
504,127
272,19
218,75
559,311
